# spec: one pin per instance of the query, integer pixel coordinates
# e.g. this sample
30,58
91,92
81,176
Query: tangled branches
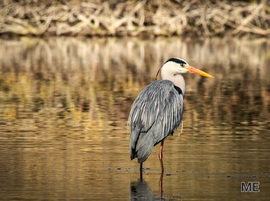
135,18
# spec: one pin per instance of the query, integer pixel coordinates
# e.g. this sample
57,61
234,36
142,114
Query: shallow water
64,104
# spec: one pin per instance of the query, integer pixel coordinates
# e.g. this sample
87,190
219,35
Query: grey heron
158,109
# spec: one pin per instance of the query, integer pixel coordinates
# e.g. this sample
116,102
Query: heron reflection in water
158,110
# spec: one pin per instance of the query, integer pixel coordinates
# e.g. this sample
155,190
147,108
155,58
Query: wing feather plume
154,115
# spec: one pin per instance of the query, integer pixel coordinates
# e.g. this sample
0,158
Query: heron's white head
177,66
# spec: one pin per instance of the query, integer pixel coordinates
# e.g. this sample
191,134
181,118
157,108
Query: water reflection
64,108
140,190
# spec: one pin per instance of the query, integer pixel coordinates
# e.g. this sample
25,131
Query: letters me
251,186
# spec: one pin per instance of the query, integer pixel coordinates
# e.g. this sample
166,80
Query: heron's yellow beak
197,71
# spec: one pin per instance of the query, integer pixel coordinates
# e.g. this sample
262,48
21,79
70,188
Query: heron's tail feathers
142,148
145,151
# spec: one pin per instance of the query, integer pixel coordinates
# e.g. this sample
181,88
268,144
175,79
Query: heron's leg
162,167
181,129
141,177
161,183
161,155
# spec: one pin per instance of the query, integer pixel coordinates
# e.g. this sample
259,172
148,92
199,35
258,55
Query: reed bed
143,18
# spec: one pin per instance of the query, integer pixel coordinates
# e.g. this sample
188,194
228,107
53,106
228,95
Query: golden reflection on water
65,103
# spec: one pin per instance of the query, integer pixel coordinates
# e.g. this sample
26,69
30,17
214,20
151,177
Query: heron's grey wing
155,113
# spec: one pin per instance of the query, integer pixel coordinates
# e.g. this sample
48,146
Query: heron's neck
177,80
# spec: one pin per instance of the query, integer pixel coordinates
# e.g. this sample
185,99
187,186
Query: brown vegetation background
198,18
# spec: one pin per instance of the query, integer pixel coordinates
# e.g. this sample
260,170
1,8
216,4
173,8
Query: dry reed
135,18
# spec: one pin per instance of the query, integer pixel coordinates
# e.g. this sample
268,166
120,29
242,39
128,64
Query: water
64,104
